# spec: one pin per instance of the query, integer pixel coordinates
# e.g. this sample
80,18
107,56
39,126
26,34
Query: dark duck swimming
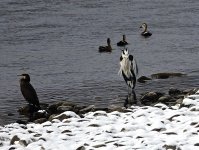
28,91
107,48
145,33
123,42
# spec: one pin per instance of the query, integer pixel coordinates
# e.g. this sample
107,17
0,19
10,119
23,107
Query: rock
52,117
166,75
87,109
99,145
23,143
112,108
150,98
173,91
196,144
24,110
81,148
66,131
171,147
21,122
164,99
68,104
11,114
53,108
27,110
190,91
64,108
14,139
66,115
40,120
143,79
40,114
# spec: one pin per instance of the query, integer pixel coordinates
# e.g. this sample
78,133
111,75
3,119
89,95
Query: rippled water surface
56,42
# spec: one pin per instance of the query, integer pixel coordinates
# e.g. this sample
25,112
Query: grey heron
128,69
123,42
145,33
28,91
107,48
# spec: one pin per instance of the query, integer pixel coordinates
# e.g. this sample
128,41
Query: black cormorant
28,91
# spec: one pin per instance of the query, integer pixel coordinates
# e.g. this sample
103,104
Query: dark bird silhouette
145,33
107,48
28,91
123,42
128,69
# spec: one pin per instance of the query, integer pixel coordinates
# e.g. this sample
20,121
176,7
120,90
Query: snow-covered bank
143,128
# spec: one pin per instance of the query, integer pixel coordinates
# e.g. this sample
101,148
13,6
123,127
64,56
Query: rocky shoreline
173,99
158,126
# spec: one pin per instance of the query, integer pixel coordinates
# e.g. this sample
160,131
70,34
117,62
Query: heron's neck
145,29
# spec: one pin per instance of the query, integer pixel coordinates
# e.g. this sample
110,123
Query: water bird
107,48
128,69
123,42
28,91
145,33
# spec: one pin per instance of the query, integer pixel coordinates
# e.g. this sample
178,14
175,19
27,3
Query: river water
56,42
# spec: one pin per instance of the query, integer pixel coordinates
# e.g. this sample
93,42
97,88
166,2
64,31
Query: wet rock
40,120
87,109
190,91
40,114
173,91
24,110
10,114
143,79
164,99
166,75
62,109
14,139
150,98
53,108
68,104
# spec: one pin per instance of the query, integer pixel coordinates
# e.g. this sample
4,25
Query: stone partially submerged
166,75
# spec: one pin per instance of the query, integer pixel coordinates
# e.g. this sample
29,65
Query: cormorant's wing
29,94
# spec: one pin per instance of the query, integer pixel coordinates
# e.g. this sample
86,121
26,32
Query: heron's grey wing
29,94
134,67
